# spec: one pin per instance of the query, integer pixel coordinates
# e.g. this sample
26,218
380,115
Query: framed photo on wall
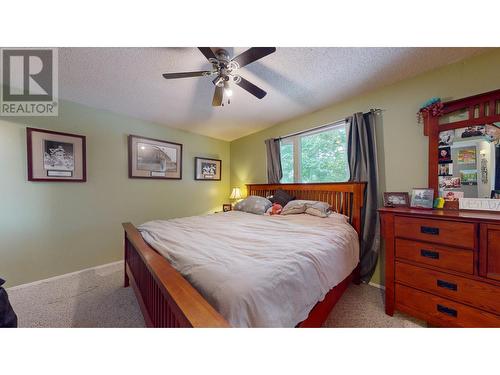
207,169
154,158
55,156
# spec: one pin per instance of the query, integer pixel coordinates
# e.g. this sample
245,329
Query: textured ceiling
298,80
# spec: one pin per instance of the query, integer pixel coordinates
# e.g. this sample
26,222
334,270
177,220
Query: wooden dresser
443,266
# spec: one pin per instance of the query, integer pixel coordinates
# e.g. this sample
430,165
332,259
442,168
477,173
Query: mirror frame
482,109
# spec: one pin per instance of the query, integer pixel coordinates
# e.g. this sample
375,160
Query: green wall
49,229
402,146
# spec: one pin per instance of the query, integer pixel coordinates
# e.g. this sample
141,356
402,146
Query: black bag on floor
8,318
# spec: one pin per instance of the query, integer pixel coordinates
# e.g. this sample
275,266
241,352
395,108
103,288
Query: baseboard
38,282
377,285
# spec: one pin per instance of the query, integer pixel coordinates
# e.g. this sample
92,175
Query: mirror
469,162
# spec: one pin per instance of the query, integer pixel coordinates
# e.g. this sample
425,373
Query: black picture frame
227,207
199,175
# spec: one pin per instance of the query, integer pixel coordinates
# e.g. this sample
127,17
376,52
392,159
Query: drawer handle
447,285
430,230
429,254
447,311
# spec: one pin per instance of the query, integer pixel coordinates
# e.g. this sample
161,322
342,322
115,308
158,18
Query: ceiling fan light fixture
224,69
227,89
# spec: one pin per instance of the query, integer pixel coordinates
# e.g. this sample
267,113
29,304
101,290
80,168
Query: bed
243,255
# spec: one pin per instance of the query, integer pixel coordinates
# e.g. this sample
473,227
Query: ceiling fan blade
187,74
251,88
207,52
218,94
253,54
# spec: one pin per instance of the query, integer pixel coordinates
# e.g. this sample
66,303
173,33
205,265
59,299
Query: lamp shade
236,193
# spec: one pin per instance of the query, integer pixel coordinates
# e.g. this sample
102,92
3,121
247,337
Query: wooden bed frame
167,299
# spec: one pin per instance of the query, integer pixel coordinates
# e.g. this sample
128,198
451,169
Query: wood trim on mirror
485,105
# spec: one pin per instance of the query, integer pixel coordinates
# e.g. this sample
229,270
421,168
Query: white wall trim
377,285
22,286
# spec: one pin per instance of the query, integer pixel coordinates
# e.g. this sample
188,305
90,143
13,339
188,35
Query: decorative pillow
276,209
321,209
295,207
253,205
315,208
281,197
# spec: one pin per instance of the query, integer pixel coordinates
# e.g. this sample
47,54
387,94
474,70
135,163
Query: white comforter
258,270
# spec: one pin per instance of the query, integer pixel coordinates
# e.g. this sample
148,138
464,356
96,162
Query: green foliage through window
321,156
287,162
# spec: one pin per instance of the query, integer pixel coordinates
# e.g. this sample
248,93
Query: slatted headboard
346,198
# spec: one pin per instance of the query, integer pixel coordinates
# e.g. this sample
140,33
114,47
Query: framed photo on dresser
399,199
55,156
154,158
422,198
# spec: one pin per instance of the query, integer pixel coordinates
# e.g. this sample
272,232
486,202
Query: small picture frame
154,158
396,199
206,169
227,207
422,198
445,169
444,155
55,156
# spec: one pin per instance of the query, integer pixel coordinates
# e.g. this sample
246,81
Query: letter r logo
27,75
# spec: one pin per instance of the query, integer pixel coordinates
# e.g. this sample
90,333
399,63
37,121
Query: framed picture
445,169
55,156
471,131
422,198
154,158
449,182
396,199
444,154
446,137
451,196
207,169
468,176
226,207
467,156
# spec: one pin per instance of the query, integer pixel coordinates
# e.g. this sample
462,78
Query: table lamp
235,194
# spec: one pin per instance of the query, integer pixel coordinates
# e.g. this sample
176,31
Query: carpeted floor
96,298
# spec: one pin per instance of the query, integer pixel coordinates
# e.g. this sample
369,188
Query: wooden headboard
346,198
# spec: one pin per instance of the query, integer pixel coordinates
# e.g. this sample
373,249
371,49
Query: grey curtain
362,156
274,171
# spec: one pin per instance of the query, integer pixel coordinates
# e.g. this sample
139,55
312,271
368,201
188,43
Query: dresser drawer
449,258
472,292
444,232
441,311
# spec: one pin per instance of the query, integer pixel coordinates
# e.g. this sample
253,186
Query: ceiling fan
225,70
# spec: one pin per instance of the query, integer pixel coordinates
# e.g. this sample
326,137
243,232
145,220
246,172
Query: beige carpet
96,298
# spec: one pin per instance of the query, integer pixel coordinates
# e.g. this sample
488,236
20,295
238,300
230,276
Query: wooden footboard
168,300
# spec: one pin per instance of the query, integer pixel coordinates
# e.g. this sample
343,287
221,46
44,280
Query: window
316,156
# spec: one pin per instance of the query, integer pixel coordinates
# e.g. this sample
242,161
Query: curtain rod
376,110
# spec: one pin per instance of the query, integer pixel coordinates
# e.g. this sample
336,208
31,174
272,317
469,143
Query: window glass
316,156
287,161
